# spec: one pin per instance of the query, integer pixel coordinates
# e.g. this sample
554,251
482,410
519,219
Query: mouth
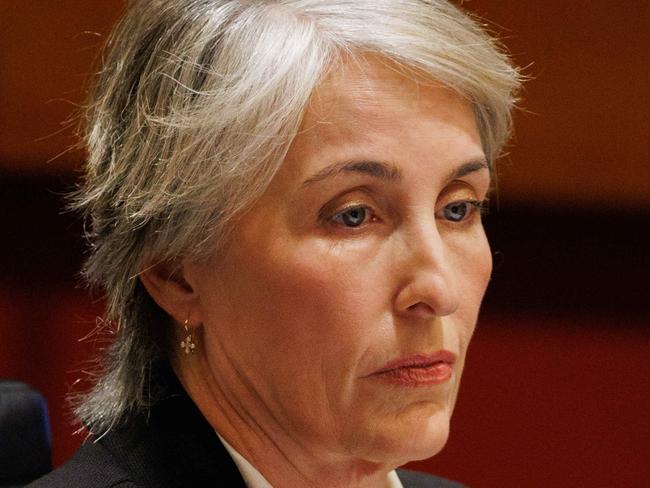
418,369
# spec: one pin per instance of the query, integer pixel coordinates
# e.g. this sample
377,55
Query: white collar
254,479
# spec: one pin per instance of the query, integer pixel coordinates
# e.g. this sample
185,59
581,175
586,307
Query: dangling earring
188,344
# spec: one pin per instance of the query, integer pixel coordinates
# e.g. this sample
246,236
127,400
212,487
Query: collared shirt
254,479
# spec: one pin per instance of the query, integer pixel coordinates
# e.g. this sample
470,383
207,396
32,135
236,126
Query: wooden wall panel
584,135
47,49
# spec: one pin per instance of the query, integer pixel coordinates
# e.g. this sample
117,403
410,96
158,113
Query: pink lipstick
418,369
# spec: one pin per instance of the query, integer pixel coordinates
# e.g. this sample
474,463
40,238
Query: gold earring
188,344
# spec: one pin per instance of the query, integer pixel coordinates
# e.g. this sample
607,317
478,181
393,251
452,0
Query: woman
284,201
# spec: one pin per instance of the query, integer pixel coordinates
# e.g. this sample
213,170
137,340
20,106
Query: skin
299,310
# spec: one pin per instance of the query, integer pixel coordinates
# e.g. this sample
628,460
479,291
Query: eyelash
340,215
472,207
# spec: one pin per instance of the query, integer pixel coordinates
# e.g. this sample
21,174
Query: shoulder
415,479
91,467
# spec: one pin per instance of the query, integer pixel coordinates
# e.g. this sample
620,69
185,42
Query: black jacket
171,447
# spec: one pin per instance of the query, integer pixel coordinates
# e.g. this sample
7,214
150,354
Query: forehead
374,93
373,109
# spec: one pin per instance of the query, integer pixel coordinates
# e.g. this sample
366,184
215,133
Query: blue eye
458,211
352,217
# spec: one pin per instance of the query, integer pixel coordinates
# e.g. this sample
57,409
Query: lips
418,369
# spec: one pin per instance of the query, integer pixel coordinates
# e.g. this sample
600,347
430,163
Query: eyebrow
468,167
387,171
377,169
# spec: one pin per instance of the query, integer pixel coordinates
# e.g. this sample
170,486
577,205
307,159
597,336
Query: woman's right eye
352,217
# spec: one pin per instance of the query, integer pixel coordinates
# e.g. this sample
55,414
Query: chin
414,437
429,441
426,438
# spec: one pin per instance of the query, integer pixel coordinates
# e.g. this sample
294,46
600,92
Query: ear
167,284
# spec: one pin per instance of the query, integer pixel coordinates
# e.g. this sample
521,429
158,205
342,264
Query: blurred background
556,390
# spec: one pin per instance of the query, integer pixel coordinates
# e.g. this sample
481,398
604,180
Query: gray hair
192,115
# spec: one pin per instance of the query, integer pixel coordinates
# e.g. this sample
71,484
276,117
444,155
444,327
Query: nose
429,284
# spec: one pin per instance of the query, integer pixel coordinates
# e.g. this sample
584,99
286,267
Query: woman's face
340,312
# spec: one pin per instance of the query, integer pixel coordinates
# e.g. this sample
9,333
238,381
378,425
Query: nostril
421,308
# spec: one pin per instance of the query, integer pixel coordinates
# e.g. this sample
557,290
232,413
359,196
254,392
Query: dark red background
556,386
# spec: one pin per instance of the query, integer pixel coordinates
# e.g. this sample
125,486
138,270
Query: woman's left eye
459,211
352,217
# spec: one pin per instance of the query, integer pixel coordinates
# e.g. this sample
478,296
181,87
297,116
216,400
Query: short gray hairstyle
193,113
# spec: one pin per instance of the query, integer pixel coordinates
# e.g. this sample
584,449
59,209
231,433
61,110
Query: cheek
483,260
473,262
329,290
308,303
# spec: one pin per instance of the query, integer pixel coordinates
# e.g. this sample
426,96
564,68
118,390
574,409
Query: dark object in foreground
25,452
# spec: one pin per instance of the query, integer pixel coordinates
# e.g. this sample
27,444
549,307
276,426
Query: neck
282,457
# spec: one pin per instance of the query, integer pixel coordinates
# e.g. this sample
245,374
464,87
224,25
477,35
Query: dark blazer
172,447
